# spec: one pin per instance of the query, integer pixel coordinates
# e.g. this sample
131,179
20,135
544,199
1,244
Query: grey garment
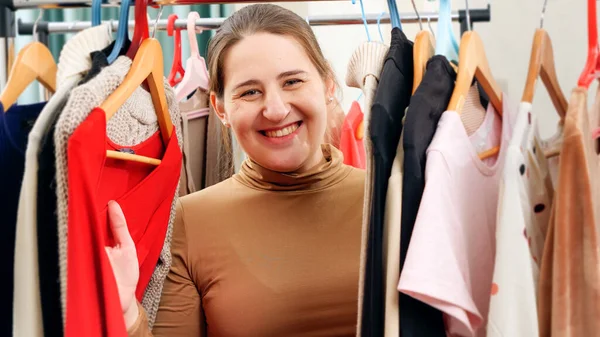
134,123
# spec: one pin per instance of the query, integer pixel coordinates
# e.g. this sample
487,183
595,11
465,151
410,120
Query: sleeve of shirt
436,254
180,310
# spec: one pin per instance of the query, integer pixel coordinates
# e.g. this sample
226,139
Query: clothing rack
476,15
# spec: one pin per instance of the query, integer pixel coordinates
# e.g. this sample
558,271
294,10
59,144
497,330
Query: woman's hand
124,262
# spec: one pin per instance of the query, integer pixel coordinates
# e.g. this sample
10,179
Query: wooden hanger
147,66
423,50
34,62
473,64
541,64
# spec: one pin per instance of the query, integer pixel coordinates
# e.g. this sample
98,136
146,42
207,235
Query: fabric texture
457,217
426,107
290,269
391,243
391,100
15,124
569,290
144,192
352,138
526,195
134,123
37,236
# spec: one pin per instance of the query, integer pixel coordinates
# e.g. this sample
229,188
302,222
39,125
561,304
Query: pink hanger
196,75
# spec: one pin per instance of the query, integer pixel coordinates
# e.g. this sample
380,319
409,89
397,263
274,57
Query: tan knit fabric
364,70
473,113
132,124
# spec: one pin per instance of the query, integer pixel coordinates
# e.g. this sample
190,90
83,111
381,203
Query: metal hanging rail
476,15
21,4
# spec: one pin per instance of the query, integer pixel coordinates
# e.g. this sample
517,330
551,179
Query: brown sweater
569,289
266,254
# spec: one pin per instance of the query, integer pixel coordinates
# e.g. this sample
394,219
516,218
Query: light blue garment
446,43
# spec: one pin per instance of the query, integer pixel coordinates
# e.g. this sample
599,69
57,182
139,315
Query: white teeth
282,132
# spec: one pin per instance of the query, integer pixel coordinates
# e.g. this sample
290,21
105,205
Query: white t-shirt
526,194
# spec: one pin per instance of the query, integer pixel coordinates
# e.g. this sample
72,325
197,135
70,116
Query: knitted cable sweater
134,123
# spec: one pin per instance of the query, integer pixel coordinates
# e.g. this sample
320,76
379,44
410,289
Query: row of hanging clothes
114,129
473,224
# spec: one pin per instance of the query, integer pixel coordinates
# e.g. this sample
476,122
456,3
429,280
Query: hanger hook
543,13
35,25
418,16
469,27
308,20
160,10
379,25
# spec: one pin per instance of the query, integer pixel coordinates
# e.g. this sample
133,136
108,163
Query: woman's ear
219,108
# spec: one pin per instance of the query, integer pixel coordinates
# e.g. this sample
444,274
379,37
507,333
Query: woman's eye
249,93
292,82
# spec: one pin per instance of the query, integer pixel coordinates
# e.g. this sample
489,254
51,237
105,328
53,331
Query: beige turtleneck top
266,254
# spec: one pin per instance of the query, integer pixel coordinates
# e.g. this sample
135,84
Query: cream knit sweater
134,123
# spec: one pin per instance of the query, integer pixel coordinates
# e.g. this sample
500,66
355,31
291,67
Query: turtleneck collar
327,173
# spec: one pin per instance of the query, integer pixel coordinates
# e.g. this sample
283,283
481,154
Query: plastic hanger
196,75
364,18
147,67
446,43
473,64
140,32
96,12
592,65
121,31
379,26
34,62
541,64
176,67
423,50
394,15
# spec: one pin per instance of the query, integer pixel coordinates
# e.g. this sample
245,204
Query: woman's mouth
282,132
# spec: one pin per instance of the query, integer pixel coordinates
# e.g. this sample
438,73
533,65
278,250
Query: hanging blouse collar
328,172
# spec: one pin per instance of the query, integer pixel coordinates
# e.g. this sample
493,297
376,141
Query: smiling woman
274,250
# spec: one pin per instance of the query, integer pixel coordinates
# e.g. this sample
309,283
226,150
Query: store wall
507,39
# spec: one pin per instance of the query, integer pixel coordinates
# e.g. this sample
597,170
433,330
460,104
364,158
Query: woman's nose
275,108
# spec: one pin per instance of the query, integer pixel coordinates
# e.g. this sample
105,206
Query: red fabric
145,193
351,143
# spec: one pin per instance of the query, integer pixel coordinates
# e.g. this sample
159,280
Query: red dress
145,193
351,143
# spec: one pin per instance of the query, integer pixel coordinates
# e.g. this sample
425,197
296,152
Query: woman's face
275,102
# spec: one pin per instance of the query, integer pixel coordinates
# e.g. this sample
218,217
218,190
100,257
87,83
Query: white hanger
196,75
